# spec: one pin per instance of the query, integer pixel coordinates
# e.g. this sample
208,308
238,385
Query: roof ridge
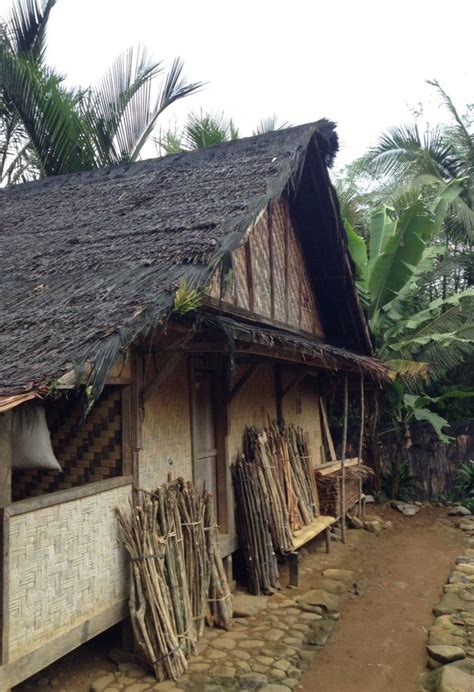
322,126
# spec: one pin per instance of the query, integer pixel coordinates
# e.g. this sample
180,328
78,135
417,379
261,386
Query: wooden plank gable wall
270,277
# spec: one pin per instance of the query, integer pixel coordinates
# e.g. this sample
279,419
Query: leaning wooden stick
361,438
343,462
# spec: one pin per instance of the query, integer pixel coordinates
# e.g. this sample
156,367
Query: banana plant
419,343
411,338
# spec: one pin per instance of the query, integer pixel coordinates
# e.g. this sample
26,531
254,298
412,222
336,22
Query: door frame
219,368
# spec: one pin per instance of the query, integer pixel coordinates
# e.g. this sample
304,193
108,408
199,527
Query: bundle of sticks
276,494
329,488
255,539
178,581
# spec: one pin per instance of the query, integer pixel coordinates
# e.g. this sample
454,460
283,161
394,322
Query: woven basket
329,489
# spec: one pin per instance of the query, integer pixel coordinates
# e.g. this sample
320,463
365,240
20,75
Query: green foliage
205,129
408,484
186,299
270,124
47,128
200,130
465,482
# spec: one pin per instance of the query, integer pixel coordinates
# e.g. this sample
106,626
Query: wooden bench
303,536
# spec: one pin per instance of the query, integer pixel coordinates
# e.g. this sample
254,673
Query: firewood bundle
177,580
255,539
276,495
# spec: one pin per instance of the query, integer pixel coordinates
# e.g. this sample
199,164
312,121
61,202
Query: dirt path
379,643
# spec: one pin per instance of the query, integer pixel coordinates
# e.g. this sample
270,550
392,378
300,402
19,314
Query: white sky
360,63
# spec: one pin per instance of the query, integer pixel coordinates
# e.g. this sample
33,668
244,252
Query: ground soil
379,642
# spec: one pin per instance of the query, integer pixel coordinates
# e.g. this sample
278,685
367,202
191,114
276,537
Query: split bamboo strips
276,495
178,581
329,488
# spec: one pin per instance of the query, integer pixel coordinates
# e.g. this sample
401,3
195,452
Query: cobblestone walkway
451,637
268,650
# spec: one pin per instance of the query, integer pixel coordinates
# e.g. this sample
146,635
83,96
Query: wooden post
221,413
361,438
327,534
279,394
6,423
343,462
136,415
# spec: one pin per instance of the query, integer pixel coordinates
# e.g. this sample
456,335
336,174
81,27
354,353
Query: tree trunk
372,442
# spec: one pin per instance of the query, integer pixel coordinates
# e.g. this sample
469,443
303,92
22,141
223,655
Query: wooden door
204,431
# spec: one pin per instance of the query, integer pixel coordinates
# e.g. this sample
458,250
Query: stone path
268,649
451,637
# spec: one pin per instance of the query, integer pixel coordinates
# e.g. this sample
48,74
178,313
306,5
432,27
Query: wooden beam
271,256
251,317
169,364
248,262
343,462
15,672
221,414
331,467
299,377
136,414
242,380
60,497
127,431
287,265
327,431
6,426
279,393
6,448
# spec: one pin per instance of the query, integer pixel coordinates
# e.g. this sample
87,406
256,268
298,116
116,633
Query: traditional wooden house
176,301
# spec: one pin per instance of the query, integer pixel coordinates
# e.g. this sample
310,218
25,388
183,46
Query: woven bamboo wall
260,258
166,432
251,406
65,566
280,224
87,453
301,407
294,302
240,278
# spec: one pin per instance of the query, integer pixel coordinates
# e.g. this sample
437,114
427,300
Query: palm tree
47,128
204,129
199,131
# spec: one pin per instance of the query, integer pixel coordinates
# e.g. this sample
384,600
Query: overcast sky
362,63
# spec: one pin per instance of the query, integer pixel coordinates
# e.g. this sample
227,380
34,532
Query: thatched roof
291,345
89,261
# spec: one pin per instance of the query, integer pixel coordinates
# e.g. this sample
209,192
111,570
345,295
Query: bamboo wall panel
240,278
251,406
87,453
167,432
279,230
65,566
260,254
303,398
291,283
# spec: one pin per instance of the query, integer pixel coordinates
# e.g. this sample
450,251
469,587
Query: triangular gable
270,277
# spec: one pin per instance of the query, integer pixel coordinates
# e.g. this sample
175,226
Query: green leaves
391,270
358,250
416,408
66,130
381,228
